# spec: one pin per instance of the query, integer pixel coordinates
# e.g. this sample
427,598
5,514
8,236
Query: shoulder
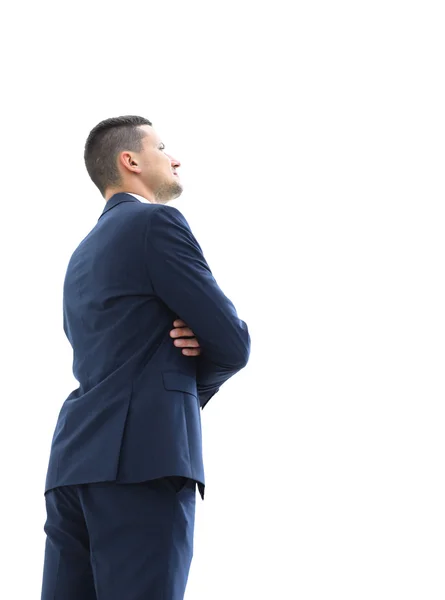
162,215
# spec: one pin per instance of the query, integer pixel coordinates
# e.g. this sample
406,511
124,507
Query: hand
190,347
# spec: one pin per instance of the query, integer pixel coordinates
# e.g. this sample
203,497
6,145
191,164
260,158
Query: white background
311,141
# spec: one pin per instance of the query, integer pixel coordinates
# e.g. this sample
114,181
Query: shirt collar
141,198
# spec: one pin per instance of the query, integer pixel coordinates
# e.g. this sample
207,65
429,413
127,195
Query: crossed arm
175,262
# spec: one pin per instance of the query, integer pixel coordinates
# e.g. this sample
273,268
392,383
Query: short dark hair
104,143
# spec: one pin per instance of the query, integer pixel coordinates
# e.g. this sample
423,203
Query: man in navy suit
153,340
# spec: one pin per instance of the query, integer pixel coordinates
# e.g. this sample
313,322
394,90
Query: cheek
152,169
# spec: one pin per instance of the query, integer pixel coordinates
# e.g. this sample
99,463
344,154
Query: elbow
233,353
243,355
245,358
233,362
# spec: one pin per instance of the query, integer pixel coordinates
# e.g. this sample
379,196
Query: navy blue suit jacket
136,413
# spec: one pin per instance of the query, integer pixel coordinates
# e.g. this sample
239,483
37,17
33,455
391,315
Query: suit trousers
110,541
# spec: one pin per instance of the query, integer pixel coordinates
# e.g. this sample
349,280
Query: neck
129,190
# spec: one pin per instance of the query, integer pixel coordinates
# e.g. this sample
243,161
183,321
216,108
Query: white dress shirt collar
141,198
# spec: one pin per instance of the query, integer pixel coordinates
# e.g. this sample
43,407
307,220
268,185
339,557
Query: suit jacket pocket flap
173,380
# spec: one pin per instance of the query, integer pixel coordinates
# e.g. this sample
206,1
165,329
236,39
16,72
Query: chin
177,189
169,192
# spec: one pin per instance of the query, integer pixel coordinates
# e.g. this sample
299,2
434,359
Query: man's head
125,154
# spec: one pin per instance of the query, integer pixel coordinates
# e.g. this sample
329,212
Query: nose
175,163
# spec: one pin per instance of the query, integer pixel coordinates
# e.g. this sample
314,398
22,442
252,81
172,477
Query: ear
129,162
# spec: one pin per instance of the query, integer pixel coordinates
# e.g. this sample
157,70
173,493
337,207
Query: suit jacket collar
117,199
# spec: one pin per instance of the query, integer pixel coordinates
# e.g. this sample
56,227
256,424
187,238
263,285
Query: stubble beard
168,191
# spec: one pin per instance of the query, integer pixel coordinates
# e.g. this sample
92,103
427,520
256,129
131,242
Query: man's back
135,415
111,316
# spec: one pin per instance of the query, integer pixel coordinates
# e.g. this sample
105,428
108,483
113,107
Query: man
153,339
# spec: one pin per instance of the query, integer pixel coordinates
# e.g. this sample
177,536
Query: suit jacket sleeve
181,277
